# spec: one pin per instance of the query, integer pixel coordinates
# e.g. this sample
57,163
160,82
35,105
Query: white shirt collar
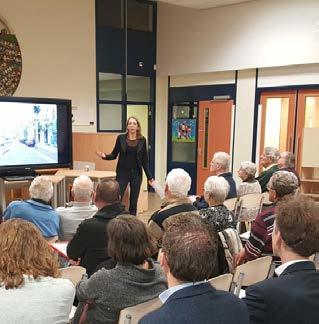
170,291
284,266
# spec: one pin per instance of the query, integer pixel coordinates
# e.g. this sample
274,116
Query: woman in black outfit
132,150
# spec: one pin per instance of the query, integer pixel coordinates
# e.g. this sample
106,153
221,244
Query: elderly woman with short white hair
217,214
247,173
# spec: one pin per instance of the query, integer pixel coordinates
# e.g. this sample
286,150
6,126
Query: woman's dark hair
129,241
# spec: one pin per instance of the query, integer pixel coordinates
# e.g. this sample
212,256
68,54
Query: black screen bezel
68,162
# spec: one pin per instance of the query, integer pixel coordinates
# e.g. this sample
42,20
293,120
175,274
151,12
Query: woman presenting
132,150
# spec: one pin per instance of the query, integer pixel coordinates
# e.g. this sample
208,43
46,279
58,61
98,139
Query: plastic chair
222,282
231,203
132,315
251,272
249,206
73,273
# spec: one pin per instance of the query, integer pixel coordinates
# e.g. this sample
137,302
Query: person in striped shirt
282,185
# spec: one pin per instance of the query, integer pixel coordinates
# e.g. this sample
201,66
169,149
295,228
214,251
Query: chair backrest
232,245
253,200
73,273
222,282
231,203
132,315
254,271
266,200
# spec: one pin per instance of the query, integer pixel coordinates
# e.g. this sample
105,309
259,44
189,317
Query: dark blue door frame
193,94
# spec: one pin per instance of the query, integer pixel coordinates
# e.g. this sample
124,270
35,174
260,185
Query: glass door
277,120
141,113
307,117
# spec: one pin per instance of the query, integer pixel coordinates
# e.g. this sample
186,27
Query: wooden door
277,120
214,135
307,117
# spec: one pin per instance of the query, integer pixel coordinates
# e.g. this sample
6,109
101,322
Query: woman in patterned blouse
215,192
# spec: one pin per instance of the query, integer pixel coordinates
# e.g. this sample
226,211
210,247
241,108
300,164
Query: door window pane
184,133
276,125
138,88
110,116
110,86
312,112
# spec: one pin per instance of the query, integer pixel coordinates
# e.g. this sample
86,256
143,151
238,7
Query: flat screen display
34,133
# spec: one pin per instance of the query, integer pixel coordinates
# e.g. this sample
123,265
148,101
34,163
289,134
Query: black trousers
134,179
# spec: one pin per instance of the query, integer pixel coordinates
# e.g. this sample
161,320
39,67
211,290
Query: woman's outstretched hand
151,182
100,154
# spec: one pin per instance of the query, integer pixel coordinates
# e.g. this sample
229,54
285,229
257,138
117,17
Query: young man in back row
292,297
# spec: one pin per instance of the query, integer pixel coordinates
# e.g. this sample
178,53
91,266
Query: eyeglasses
269,188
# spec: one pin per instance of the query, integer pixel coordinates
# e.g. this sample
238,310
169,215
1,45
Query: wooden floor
154,203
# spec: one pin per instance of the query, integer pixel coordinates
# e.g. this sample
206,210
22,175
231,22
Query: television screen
34,133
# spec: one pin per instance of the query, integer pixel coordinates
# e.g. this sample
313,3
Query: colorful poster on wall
184,130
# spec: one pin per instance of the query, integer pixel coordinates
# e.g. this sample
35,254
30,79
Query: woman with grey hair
37,210
247,173
215,192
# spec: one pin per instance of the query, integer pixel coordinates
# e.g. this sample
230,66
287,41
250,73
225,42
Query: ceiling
203,4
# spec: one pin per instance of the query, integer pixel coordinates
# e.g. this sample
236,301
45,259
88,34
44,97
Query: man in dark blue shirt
220,167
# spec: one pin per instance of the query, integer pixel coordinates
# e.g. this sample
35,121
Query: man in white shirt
78,210
293,296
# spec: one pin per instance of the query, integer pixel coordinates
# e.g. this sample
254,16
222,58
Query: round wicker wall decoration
10,61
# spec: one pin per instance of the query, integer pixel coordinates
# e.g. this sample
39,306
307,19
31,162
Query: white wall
248,35
57,41
244,122
289,75
161,129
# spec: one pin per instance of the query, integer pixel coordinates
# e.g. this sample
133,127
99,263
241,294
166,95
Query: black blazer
291,298
200,304
90,240
120,149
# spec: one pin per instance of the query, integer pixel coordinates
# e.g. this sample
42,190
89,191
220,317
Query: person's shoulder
17,203
157,316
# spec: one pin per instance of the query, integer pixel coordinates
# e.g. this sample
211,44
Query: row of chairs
245,275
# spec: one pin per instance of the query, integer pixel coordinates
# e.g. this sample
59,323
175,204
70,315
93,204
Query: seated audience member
188,246
178,183
247,173
293,296
220,167
217,214
37,210
78,210
134,280
30,288
268,160
286,162
282,186
89,244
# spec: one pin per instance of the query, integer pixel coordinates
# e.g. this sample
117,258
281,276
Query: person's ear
166,189
163,261
276,240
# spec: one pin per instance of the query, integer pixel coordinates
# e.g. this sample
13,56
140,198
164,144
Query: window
110,117
110,86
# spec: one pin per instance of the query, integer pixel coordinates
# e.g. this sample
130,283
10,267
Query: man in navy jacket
292,297
187,257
